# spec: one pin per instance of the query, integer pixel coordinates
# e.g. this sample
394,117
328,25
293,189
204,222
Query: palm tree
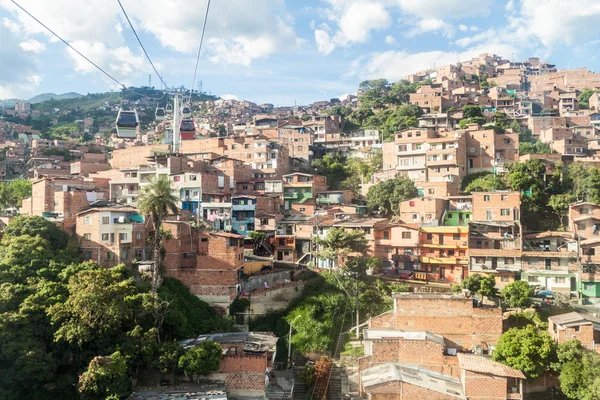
155,202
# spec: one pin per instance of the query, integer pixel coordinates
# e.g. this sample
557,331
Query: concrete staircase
299,388
335,383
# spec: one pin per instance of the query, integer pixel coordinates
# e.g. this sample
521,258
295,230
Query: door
442,272
280,255
441,236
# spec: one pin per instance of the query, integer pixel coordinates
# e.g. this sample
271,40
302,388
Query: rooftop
574,318
389,333
413,375
485,365
258,342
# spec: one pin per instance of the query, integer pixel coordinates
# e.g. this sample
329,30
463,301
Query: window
504,278
87,237
105,237
386,234
588,286
105,220
124,254
122,236
110,256
488,215
509,261
431,191
486,197
504,197
138,236
456,236
204,240
302,209
450,253
88,255
532,279
581,227
406,235
87,220
247,145
177,178
505,212
415,216
560,280
507,141
548,264
429,236
479,260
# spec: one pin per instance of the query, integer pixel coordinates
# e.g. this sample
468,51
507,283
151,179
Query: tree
257,239
579,371
156,201
331,167
37,226
105,378
526,349
517,294
374,93
560,204
169,354
386,196
470,111
584,98
482,182
201,359
400,91
339,243
501,120
515,127
472,283
487,286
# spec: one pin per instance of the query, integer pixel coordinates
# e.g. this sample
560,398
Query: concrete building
443,253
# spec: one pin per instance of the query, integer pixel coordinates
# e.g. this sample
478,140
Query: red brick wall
482,386
461,325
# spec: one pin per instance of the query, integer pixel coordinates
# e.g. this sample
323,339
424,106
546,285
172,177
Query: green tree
536,147
201,359
501,120
374,93
584,98
156,200
37,226
515,126
387,195
487,286
400,91
331,167
482,182
470,111
517,294
579,371
339,243
526,349
105,378
560,203
257,238
169,355
472,283
101,305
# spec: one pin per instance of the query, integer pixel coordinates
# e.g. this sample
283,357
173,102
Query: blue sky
281,51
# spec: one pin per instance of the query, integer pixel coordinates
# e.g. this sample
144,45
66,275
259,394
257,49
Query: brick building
247,359
463,326
443,252
422,210
575,326
110,234
300,192
398,246
210,265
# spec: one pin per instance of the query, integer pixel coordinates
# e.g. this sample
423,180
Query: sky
280,52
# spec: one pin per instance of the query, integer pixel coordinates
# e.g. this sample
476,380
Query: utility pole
579,267
357,309
176,134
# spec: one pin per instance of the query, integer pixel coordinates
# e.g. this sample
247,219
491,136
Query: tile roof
573,318
485,365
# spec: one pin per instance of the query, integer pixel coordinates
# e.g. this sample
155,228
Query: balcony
410,152
410,167
243,207
247,220
440,162
495,252
291,196
444,260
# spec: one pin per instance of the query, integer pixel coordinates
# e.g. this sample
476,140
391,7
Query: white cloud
555,22
463,28
510,5
432,25
11,25
19,77
229,97
119,62
33,46
355,20
396,65
323,40
446,9
390,40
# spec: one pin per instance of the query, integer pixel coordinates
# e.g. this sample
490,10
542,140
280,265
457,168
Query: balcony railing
444,260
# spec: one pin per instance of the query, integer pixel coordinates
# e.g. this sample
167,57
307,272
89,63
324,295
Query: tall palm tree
155,202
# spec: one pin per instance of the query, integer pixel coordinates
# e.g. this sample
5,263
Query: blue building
243,211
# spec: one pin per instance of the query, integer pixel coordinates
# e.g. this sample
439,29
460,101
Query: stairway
335,384
299,388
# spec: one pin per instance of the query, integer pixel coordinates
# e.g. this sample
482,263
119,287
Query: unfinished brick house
210,265
247,358
463,326
575,326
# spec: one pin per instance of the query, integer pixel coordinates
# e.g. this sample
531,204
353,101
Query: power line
199,49
141,45
79,53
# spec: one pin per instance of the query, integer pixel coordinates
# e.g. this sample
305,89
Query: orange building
443,252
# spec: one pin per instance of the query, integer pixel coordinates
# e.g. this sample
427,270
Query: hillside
53,96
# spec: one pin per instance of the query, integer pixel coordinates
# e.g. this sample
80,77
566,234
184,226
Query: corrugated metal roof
485,365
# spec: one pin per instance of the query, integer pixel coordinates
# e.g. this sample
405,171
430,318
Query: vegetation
527,349
347,173
12,193
201,359
584,98
156,200
579,371
517,294
482,182
485,285
536,147
387,195
61,318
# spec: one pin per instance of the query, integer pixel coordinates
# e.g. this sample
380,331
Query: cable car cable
141,45
79,53
199,49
